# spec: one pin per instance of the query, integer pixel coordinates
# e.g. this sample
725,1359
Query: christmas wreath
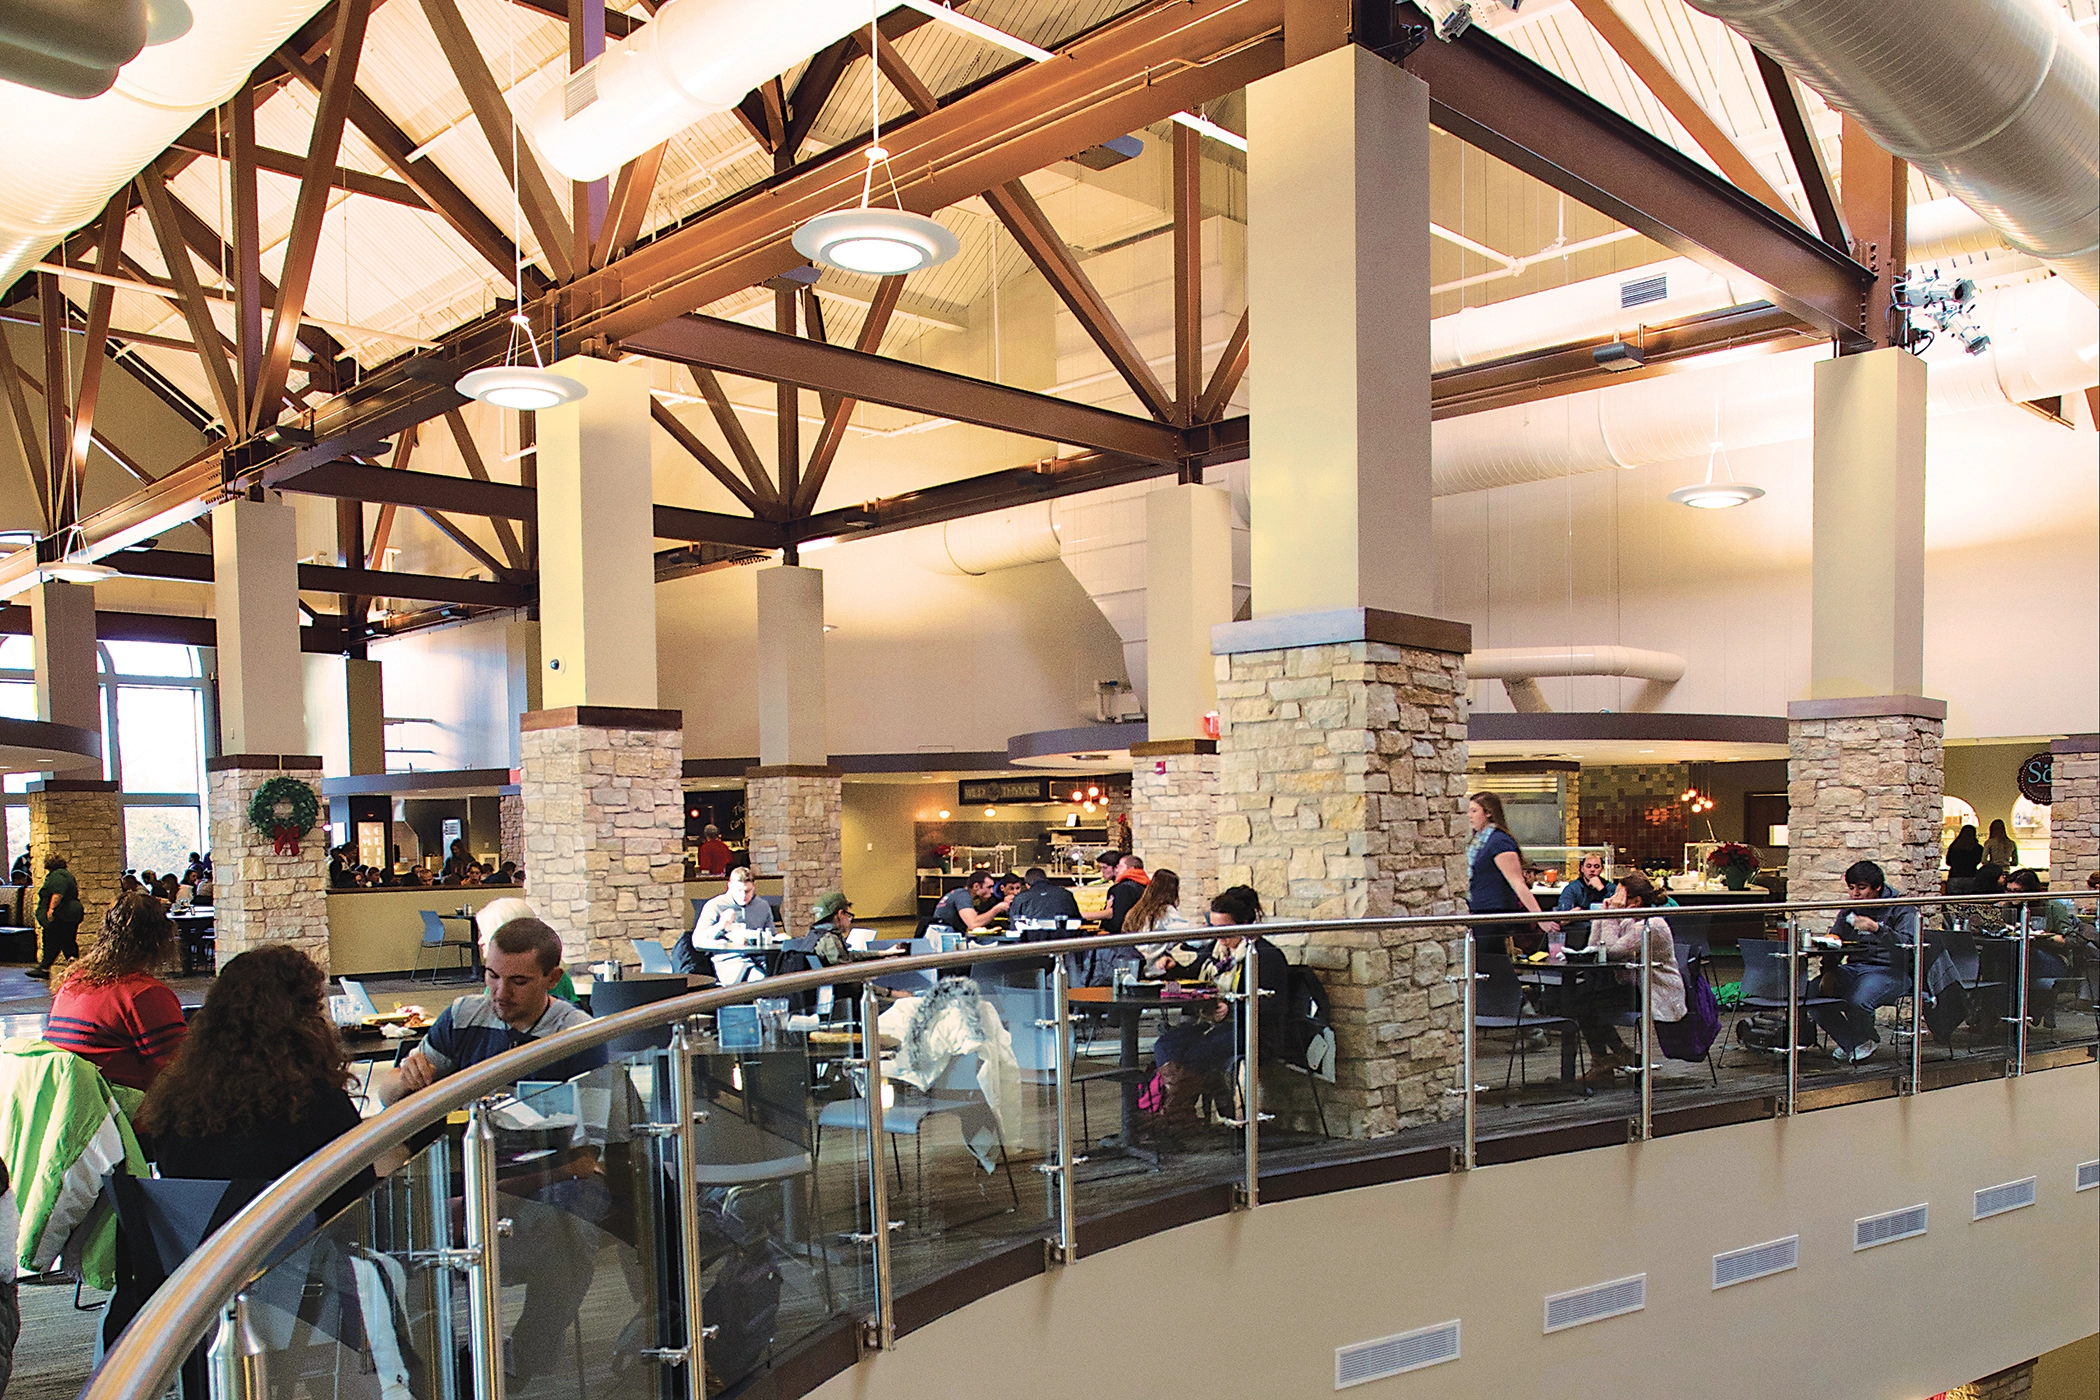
284,809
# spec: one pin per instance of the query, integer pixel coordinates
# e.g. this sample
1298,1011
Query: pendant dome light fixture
869,240
528,388
1717,495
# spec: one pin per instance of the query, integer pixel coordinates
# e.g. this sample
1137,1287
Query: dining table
1126,1010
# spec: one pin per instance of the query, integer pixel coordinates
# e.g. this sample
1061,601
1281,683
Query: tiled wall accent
1635,808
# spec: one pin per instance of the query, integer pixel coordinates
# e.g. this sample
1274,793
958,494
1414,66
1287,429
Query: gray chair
1764,980
1498,1005
954,1095
655,958
436,940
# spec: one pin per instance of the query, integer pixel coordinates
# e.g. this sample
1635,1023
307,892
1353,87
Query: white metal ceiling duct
2042,344
1997,100
69,155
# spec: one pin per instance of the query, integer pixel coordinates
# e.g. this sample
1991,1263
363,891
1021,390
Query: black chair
1498,1005
1764,980
629,992
436,940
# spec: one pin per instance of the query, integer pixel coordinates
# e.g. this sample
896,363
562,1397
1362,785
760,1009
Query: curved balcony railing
655,1175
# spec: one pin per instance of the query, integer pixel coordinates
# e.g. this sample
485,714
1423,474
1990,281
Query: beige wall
1986,776
374,931
877,843
2069,1373
1255,1304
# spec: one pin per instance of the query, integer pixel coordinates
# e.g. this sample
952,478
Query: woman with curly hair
261,1083
110,1008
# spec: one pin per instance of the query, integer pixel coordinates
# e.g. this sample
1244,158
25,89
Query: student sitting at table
958,908
1878,975
1193,1056
492,916
2050,929
1621,939
1042,902
110,1007
1589,890
737,915
261,1083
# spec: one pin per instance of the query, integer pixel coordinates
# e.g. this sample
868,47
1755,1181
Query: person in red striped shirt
110,1008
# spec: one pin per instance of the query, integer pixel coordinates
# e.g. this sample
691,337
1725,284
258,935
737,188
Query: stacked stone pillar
510,825
792,815
2074,813
1864,780
1174,814
604,826
260,895
1342,780
81,819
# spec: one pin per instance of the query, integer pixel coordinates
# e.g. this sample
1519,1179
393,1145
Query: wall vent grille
1643,290
2088,1176
1392,1356
1757,1261
580,91
1597,1302
1890,1227
1996,1200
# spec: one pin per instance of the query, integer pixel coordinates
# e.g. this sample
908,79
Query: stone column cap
1868,707
794,770
72,785
291,762
1168,748
1338,626
2076,743
601,717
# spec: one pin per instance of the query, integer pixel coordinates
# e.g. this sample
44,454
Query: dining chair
436,940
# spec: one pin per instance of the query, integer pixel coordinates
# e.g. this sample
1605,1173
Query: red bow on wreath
287,839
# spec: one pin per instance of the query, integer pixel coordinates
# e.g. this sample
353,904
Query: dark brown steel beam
1188,272
51,307
27,435
492,113
1490,96
787,409
1232,364
703,454
628,205
197,141
94,356
587,198
1806,152
204,240
709,344
840,409
739,441
446,199
304,239
469,453
465,541
190,566
1061,476
245,245
712,527
1877,211
617,25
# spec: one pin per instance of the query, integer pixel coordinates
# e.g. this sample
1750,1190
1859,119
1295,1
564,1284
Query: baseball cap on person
829,903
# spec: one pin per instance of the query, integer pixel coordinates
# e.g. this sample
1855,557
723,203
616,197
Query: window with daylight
154,718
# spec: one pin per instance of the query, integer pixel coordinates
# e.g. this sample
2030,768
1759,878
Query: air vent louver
1756,1261
1643,290
2088,1176
1391,1356
1597,1302
1888,1228
1996,1200
580,91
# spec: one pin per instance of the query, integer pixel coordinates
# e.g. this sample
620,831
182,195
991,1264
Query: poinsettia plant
1731,855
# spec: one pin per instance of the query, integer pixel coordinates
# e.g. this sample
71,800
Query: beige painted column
1338,285
2074,813
793,800
1865,766
597,533
78,817
1174,773
1341,763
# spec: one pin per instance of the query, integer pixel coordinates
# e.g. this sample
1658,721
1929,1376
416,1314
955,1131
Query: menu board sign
973,792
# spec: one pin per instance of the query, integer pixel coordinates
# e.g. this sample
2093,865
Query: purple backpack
1692,1037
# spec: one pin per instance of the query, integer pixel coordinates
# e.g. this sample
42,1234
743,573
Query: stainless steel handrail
147,1355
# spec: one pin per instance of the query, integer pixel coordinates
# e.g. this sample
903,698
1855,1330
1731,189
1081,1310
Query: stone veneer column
604,825
1865,776
2074,812
260,896
510,826
1174,814
1341,795
792,829
2008,1384
81,819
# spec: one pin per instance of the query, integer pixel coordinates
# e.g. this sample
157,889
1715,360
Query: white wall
458,677
1257,1302
2012,616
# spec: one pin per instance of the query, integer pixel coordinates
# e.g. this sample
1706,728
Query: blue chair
654,956
436,940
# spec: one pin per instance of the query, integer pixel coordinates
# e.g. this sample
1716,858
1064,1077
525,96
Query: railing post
437,1192
235,1360
1793,1012
1917,1003
687,1112
878,1333
1468,1003
485,1267
2019,1063
1066,1248
1250,995
1647,1062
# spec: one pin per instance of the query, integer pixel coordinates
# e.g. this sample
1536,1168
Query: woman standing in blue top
1495,864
